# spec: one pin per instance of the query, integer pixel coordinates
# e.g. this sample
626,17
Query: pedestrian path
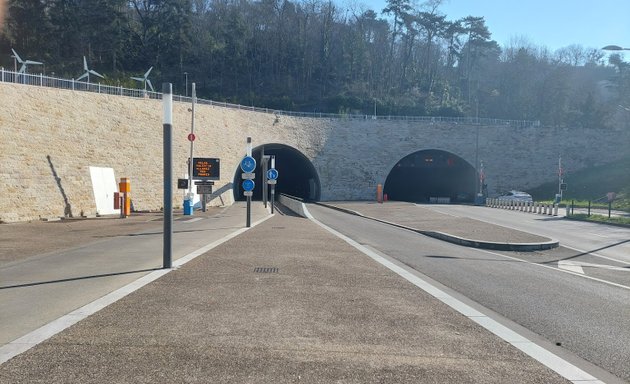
285,301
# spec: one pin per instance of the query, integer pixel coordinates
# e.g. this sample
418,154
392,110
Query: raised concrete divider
467,241
292,203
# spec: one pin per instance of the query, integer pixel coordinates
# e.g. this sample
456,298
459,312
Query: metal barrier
52,82
523,206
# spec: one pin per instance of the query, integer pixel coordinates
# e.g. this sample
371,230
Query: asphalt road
587,317
610,242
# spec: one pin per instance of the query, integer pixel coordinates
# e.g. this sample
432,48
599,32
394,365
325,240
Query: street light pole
186,75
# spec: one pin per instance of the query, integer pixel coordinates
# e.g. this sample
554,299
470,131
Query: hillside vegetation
593,184
408,58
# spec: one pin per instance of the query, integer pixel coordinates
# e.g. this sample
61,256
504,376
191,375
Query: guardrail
53,82
523,206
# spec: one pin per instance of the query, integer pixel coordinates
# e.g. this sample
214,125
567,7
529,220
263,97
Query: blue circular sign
248,185
248,164
272,174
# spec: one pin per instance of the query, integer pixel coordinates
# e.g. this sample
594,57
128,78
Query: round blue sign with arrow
272,174
248,185
248,164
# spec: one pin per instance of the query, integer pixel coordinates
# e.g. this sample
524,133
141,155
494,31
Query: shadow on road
77,278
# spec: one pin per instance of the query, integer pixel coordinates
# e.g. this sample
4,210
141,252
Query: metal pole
560,176
249,198
273,187
609,208
264,176
186,75
167,95
192,145
248,221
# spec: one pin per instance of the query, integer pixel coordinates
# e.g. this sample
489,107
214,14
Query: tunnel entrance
426,174
297,175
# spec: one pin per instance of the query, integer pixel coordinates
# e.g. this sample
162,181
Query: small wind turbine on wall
88,71
145,80
24,63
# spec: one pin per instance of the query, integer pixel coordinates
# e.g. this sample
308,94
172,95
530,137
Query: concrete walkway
284,302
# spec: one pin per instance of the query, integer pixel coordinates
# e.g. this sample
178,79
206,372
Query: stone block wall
50,138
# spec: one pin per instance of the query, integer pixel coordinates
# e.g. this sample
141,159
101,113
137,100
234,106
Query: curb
496,246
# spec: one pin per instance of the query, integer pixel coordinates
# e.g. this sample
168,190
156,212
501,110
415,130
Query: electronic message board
206,168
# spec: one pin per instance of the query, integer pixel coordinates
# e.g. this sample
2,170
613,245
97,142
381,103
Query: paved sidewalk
459,230
284,302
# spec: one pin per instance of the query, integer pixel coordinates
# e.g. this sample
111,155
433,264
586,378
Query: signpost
248,165
272,179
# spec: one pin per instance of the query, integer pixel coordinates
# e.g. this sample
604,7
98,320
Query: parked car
517,196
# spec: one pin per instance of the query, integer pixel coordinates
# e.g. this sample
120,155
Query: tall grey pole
273,186
248,222
167,102
263,160
192,145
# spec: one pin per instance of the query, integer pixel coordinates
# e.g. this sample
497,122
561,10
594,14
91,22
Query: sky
551,23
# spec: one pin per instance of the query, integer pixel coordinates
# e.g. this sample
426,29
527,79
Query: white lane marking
193,220
45,332
604,236
570,266
547,358
437,210
583,252
567,264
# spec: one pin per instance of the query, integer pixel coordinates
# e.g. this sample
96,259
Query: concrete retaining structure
50,138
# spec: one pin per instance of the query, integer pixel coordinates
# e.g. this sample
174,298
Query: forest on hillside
320,56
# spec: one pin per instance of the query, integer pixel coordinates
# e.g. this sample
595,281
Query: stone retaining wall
51,137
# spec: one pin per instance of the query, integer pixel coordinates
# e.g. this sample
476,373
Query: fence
75,85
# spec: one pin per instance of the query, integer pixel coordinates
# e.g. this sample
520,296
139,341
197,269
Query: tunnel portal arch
297,175
431,173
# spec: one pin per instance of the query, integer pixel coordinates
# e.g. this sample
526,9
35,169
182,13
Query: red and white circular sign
191,137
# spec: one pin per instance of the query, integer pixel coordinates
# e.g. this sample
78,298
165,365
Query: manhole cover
266,270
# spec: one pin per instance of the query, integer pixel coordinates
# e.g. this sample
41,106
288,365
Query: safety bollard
555,210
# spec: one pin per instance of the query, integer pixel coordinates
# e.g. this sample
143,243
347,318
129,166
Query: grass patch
615,220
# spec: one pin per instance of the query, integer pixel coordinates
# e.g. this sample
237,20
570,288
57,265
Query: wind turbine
88,71
24,62
145,79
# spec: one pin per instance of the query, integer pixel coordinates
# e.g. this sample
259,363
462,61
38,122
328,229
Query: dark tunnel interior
431,173
296,174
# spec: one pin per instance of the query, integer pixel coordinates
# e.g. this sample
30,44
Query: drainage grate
266,270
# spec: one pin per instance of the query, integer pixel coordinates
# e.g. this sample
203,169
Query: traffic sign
204,189
191,137
248,164
272,174
206,168
248,185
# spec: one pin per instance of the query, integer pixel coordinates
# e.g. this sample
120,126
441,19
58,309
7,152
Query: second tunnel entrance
431,173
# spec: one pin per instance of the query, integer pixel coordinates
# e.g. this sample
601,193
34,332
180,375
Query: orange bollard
379,193
125,189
